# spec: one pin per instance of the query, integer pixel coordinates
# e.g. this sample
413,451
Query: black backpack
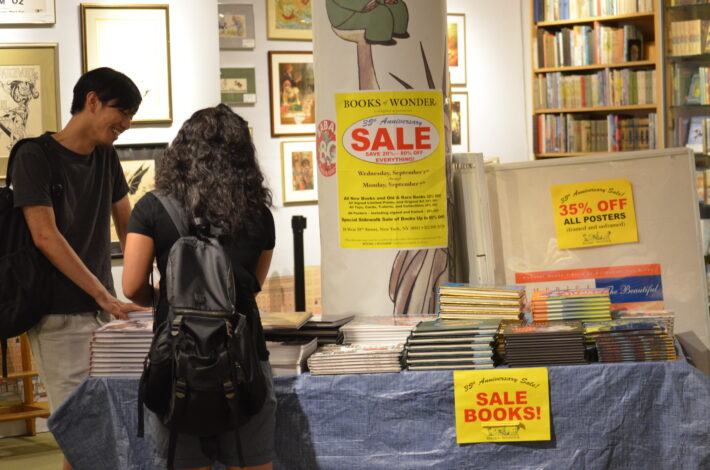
202,375
25,274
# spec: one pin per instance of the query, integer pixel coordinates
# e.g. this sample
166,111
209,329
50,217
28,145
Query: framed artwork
138,163
456,48
29,94
289,19
292,95
110,37
18,12
298,174
459,122
236,26
237,86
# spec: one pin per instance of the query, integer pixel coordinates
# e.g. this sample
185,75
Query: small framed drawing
138,163
236,26
298,173
289,19
19,12
29,94
110,35
459,122
456,48
291,93
237,86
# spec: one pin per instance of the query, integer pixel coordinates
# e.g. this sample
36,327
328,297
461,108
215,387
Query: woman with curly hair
211,170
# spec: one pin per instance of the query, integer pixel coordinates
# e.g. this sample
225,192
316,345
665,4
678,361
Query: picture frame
236,26
28,12
138,162
29,94
459,122
291,93
456,48
237,86
289,19
110,35
298,171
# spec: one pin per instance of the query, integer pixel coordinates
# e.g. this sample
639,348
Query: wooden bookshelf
571,63
28,410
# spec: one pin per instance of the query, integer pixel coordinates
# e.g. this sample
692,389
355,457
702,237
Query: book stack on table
544,344
665,317
119,348
458,301
451,344
289,357
324,328
355,359
571,304
383,330
631,340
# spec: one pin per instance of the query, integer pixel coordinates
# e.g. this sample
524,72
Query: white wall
498,76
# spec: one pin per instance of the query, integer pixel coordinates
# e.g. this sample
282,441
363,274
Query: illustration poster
502,405
392,177
594,213
20,104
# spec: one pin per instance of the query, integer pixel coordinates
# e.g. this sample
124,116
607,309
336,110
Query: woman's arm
262,266
137,265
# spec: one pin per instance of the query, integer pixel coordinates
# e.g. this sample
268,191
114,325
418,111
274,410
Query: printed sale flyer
502,405
391,169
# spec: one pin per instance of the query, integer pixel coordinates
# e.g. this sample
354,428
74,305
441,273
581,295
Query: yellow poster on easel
502,405
391,170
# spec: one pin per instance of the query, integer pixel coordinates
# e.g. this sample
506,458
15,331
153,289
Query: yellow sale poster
594,213
391,169
502,405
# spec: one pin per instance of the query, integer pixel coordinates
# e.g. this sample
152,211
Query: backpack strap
176,213
56,186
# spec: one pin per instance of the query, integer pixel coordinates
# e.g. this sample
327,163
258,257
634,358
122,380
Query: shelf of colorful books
599,109
645,15
581,68
566,154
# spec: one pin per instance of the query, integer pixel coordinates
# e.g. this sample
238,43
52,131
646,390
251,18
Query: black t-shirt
91,184
150,218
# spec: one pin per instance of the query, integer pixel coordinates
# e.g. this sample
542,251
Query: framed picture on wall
459,122
237,86
291,93
112,34
456,48
298,174
29,94
138,163
19,12
289,19
236,26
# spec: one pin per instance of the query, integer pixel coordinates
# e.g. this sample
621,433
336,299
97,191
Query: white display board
667,216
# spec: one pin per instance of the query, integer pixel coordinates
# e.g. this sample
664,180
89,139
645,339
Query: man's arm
121,213
45,235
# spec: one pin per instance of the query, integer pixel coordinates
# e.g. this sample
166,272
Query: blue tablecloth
604,416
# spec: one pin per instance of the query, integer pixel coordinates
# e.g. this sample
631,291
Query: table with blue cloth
604,416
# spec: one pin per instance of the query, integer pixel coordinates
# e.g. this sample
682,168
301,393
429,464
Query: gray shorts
257,437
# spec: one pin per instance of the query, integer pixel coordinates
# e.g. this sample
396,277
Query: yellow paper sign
391,170
500,405
594,213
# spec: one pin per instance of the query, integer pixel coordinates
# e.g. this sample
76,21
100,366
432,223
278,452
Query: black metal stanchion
298,224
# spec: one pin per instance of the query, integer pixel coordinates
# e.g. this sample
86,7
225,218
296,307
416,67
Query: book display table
604,416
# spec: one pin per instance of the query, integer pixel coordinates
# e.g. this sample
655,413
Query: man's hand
117,308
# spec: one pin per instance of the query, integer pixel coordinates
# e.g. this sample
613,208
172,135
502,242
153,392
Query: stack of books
381,330
665,317
325,329
356,359
544,344
499,340
451,344
571,304
631,340
459,301
119,348
289,357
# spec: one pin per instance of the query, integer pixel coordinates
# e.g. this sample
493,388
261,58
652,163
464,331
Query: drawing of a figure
13,121
382,20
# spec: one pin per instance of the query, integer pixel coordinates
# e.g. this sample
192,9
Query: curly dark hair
211,169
